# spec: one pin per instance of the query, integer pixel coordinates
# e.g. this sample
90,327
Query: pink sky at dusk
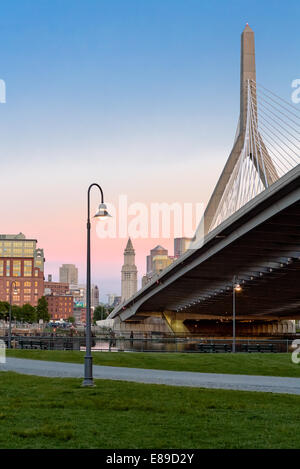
136,106
57,216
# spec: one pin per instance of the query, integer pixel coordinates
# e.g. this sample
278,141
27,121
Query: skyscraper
94,296
157,251
68,273
181,245
129,272
111,298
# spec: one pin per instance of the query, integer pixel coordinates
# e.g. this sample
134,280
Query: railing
45,343
158,344
193,345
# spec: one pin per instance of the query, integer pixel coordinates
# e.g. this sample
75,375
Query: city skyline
115,87
149,245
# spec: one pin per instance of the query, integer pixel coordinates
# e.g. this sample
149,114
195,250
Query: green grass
263,364
40,412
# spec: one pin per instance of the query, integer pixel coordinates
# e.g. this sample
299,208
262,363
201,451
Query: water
140,345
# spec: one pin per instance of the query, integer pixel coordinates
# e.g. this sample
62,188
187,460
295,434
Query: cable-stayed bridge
271,148
250,230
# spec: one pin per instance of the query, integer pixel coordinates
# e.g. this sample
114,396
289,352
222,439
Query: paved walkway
172,378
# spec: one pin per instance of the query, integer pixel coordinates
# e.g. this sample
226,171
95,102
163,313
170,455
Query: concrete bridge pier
175,322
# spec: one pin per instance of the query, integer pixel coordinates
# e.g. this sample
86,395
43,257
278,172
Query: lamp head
237,287
102,213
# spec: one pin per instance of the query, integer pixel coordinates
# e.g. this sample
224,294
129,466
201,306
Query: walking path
171,378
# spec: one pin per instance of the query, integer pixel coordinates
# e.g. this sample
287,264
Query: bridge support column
175,322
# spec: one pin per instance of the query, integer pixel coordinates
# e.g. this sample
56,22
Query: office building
56,288
94,296
111,298
68,273
160,262
60,306
181,245
157,251
79,295
23,263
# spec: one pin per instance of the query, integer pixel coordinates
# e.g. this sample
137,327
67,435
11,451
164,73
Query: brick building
80,315
56,288
23,263
60,306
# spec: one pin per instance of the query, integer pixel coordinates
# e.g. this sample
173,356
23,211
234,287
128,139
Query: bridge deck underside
267,263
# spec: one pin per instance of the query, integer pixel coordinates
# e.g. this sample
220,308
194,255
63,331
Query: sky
139,96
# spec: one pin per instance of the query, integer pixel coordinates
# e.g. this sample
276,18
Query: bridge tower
258,153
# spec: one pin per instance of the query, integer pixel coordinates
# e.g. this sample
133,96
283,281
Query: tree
29,313
100,313
4,309
16,312
71,319
42,310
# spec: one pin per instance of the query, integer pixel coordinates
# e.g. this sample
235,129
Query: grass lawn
40,412
263,364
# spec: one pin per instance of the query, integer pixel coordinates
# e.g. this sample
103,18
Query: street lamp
10,302
236,287
101,214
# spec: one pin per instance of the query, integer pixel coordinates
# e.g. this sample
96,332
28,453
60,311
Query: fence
45,343
159,344
193,345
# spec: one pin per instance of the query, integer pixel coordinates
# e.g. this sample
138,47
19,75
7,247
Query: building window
16,268
29,244
27,268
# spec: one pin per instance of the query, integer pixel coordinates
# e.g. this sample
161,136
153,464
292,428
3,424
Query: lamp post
236,287
88,360
10,302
